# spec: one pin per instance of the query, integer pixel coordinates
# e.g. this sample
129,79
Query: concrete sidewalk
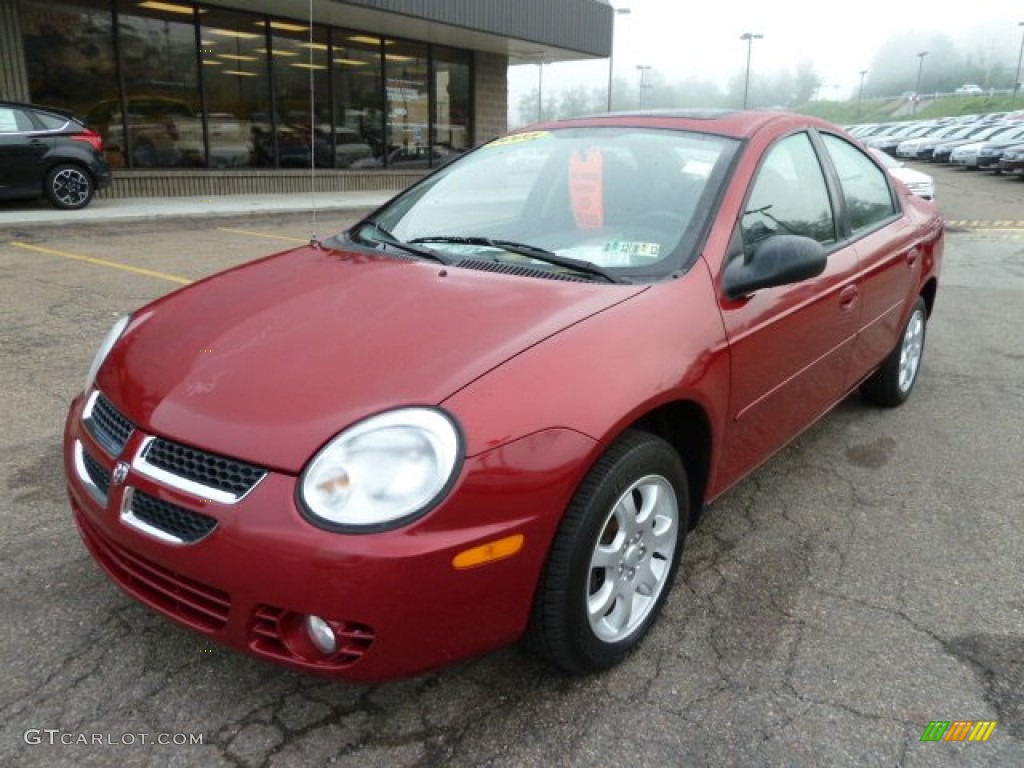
41,213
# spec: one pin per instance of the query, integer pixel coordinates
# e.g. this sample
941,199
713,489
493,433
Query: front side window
868,195
625,199
789,196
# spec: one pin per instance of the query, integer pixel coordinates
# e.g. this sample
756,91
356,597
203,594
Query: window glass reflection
243,99
69,53
789,196
358,139
451,100
158,66
233,51
297,59
408,132
867,192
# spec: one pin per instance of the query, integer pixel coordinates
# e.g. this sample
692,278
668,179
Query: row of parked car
994,142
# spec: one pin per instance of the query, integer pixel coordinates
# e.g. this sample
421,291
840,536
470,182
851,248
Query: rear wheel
69,186
614,558
891,384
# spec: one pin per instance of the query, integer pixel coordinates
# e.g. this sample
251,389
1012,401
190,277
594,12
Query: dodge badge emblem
120,473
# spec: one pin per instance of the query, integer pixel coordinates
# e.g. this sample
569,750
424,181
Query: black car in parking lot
47,152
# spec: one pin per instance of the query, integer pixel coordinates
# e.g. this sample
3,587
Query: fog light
321,634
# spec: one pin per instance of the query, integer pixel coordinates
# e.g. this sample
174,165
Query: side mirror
779,260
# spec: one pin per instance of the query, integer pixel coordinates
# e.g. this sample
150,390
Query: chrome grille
99,476
182,524
207,469
110,428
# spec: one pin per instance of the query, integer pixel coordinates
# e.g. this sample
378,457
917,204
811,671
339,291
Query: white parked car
969,89
920,184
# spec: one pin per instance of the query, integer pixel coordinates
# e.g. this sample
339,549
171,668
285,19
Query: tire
614,558
69,186
892,384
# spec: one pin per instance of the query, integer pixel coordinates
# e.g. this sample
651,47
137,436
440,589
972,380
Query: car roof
725,122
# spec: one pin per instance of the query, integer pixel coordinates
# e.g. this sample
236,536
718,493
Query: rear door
888,249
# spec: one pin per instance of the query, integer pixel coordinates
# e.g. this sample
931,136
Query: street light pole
750,37
917,88
611,52
643,81
1020,58
860,93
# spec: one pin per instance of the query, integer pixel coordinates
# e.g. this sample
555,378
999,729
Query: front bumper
246,573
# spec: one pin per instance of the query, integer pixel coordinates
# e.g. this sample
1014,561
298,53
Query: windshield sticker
518,138
586,191
633,248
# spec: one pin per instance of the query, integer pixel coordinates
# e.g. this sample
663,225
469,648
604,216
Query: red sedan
493,409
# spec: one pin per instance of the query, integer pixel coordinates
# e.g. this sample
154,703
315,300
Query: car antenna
313,240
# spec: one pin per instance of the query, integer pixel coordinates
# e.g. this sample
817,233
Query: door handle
848,298
912,256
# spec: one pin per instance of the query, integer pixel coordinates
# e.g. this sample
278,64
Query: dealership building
247,95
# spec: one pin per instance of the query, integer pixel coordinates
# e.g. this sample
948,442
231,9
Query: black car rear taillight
90,137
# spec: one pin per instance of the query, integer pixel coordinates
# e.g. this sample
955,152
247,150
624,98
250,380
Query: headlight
101,354
382,471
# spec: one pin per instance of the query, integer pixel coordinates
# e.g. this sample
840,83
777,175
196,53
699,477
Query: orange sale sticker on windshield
586,192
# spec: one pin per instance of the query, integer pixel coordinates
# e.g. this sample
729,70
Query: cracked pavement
865,581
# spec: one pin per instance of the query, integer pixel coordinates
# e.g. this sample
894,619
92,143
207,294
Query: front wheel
614,558
69,186
891,384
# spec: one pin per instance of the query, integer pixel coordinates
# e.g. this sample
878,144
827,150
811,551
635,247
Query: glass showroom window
408,105
69,53
236,82
358,79
452,110
295,58
158,66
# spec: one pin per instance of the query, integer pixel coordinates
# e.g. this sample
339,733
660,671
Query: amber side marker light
489,552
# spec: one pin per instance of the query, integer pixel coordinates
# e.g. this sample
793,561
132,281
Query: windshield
630,202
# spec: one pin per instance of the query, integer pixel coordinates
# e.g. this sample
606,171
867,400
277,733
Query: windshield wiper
527,250
386,238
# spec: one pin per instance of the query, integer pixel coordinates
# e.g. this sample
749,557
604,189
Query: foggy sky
683,40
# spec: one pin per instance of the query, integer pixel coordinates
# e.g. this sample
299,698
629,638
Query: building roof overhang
527,31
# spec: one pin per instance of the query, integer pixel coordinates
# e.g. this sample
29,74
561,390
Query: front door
790,345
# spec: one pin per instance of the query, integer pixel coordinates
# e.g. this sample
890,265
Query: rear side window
51,122
869,198
14,121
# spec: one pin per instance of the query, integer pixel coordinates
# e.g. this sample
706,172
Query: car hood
268,361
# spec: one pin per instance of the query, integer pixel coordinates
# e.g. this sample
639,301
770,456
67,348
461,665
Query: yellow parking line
102,262
262,234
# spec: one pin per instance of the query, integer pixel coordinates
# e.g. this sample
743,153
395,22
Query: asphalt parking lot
865,582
